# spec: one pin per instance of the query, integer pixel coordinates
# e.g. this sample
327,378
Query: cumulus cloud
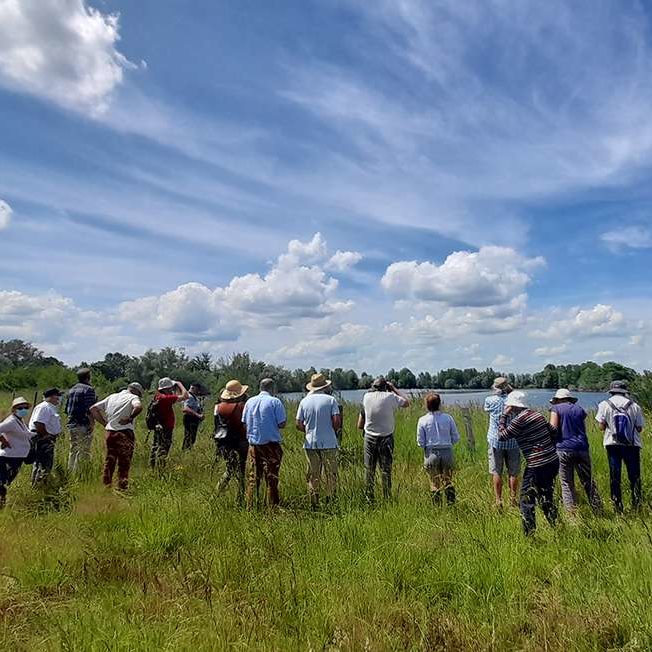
341,261
601,320
628,237
602,355
61,50
5,214
550,351
502,360
491,276
348,339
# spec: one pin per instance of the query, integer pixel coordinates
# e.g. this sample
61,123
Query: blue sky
328,183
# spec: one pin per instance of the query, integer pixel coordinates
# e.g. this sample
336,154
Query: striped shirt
533,435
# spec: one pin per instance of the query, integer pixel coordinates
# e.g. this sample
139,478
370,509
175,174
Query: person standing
168,393
81,397
231,435
377,421
568,419
621,420
318,417
117,413
15,440
437,434
45,423
503,454
264,417
534,437
193,415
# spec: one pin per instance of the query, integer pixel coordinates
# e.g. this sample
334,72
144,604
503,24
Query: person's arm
554,420
421,435
639,421
4,442
336,417
136,409
361,420
301,426
183,392
188,410
404,400
91,399
97,414
455,433
281,417
505,431
601,417
40,428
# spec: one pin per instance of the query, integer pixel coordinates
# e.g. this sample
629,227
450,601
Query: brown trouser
264,462
119,451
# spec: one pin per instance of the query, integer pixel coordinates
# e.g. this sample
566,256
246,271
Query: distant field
172,566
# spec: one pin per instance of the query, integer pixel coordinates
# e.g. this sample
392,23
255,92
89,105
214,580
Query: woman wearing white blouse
14,445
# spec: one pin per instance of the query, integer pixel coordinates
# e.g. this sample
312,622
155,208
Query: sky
328,182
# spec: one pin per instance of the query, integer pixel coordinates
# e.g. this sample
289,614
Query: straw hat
233,389
518,399
317,382
563,395
501,384
20,400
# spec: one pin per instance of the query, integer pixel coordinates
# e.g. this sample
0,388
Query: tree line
22,366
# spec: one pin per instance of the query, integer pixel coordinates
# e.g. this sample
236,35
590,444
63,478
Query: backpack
622,424
152,418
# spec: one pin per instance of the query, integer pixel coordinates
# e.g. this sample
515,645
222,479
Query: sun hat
317,382
165,383
501,383
379,383
52,391
517,399
136,388
563,395
233,389
619,387
19,400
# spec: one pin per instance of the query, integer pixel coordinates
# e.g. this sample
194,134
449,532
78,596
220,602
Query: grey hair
267,385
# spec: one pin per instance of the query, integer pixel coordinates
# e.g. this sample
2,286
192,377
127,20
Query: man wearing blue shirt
264,417
318,416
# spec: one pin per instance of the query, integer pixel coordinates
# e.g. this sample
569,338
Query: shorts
499,458
438,460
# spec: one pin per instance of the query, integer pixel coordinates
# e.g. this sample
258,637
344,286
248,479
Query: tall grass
173,566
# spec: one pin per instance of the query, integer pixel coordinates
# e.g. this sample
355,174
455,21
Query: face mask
22,412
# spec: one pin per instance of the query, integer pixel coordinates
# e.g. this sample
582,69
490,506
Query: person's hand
4,443
125,421
201,417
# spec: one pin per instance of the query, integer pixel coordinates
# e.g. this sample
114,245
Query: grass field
173,566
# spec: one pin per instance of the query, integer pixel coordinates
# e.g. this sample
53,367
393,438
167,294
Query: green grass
173,566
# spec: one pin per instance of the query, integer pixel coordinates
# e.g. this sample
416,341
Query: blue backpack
623,425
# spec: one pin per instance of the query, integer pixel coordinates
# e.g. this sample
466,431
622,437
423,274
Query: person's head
234,392
53,395
619,387
195,388
517,401
166,385
267,385
318,384
136,389
432,401
563,396
20,407
380,384
84,376
501,385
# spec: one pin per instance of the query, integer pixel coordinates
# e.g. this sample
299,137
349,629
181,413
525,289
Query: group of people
247,435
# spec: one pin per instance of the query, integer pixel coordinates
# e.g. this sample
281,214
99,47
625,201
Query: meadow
174,566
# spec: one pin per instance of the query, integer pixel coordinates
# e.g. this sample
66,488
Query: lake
538,397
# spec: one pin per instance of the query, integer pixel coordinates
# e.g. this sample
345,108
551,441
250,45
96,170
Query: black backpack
152,418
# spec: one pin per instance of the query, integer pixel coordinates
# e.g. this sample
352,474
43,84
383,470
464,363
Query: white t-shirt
379,408
47,414
18,436
118,406
606,413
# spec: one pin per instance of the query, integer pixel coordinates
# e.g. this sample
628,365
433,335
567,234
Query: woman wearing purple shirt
568,418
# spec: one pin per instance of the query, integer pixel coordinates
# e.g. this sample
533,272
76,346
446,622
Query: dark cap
619,387
53,391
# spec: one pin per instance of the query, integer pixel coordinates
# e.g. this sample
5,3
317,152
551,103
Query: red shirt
166,409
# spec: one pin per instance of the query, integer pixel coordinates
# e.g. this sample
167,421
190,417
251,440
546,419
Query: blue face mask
22,412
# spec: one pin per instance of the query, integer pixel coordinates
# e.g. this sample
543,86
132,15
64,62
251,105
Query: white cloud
61,50
628,237
489,277
601,320
550,351
341,261
5,214
348,339
602,355
502,360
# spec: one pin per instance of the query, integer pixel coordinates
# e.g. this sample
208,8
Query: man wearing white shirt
45,423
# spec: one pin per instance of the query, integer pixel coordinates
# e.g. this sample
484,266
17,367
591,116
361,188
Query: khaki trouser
321,460
81,441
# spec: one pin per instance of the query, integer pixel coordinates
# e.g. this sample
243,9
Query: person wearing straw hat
15,441
264,417
502,454
318,417
568,420
231,435
45,424
533,434
621,420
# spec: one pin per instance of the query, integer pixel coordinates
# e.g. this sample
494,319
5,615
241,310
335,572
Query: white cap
165,383
517,399
562,394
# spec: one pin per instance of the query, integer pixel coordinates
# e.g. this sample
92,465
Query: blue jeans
631,455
